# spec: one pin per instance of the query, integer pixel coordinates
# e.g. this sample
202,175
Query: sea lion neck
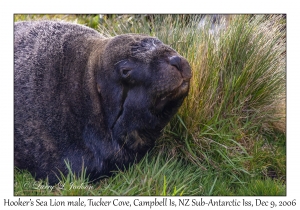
96,45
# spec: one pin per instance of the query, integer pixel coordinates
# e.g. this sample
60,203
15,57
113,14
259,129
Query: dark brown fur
88,99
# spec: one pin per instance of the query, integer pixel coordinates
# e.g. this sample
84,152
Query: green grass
158,175
228,137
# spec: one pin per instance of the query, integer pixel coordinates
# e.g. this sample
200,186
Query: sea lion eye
125,72
124,68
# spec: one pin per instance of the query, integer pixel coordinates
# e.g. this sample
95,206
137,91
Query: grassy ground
229,137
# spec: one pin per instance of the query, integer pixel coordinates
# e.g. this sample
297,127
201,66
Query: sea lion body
87,99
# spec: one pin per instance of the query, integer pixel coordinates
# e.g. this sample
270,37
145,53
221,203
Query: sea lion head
142,83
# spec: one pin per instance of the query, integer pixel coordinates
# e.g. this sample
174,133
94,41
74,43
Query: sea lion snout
182,66
175,61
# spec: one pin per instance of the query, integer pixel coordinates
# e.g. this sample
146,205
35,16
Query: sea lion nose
175,61
182,65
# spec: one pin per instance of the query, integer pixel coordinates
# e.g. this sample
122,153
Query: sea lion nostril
175,61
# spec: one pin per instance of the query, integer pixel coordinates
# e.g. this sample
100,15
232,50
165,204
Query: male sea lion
81,97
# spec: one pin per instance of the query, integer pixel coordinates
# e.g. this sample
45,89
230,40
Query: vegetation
228,138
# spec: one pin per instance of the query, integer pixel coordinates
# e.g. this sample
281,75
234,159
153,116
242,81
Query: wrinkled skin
97,101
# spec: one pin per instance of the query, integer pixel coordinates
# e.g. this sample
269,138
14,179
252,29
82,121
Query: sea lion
87,99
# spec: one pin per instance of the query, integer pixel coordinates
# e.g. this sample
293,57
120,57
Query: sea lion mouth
176,93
